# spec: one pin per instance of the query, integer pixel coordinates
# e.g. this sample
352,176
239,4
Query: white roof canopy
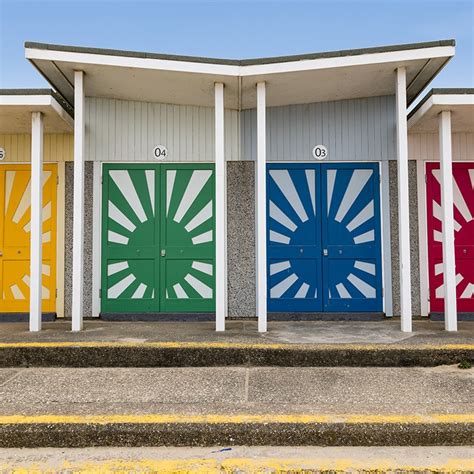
291,80
424,118
16,106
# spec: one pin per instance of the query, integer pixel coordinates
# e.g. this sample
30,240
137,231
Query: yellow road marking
234,345
231,465
237,419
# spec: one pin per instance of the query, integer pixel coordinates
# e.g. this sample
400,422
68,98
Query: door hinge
56,293
426,178
57,179
100,293
383,292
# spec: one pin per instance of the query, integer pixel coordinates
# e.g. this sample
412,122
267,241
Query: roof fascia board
37,101
445,100
123,61
453,99
347,61
248,70
26,100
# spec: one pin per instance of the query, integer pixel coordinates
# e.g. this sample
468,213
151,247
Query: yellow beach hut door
15,206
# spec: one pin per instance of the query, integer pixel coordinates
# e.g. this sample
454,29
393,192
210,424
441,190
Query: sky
234,29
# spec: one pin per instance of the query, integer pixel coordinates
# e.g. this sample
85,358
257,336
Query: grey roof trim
240,62
26,92
441,91
56,95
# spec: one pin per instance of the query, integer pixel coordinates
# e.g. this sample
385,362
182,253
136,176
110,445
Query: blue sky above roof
231,29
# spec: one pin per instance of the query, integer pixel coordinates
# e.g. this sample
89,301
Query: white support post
78,215
449,261
221,210
36,233
403,201
261,210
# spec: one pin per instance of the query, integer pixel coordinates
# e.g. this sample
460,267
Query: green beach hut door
158,248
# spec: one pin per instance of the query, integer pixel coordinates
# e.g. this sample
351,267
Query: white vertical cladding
425,146
78,207
449,264
356,129
403,201
221,207
261,211
120,130
36,220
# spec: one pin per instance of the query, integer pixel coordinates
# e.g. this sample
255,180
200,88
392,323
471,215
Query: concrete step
218,354
67,407
248,430
240,459
197,344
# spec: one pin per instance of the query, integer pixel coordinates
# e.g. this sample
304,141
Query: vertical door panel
15,205
351,237
324,249
158,238
130,238
294,238
463,193
188,238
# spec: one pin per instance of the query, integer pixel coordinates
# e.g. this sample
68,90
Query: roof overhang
424,117
189,80
17,105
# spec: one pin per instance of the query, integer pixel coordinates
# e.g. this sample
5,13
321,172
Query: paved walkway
236,405
237,390
232,390
308,332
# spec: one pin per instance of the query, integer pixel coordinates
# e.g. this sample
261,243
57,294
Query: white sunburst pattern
19,215
193,211
131,216
195,218
302,222
350,204
130,206
463,194
292,213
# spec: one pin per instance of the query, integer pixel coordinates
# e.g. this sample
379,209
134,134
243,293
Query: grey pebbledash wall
414,241
241,238
88,227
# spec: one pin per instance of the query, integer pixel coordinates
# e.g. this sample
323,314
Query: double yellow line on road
234,345
238,465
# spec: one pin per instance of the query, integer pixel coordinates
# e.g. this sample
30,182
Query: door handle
1,253
325,252
163,252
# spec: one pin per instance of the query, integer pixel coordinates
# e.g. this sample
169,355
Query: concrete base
24,317
157,317
325,316
461,316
